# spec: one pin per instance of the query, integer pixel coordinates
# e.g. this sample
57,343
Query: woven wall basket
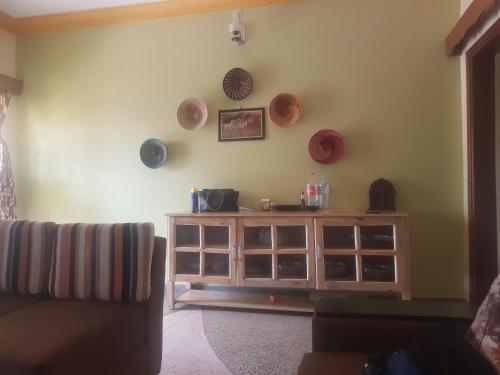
326,146
237,84
192,114
153,153
285,110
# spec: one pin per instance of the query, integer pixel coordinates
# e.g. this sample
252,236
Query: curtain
7,188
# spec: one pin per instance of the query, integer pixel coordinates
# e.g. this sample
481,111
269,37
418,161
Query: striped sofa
80,298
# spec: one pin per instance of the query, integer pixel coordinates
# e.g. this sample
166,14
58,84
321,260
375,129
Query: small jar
265,204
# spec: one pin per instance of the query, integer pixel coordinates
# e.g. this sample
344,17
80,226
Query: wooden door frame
481,175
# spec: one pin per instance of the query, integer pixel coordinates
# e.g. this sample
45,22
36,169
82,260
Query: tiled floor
186,350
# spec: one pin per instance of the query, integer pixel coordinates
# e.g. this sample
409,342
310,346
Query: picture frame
245,124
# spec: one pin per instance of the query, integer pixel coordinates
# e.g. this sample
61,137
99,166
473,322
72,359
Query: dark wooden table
346,330
372,308
365,324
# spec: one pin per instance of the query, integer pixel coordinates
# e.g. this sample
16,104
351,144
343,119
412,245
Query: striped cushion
25,253
106,262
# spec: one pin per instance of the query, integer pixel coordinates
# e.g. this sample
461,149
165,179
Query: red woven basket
326,146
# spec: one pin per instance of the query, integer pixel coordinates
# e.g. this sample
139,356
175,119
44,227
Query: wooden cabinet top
271,214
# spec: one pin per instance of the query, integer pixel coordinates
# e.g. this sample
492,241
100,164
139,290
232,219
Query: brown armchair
40,335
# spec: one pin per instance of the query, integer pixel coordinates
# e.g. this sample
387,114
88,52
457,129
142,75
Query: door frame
481,177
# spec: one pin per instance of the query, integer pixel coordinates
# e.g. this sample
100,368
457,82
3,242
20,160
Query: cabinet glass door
205,250
358,253
276,252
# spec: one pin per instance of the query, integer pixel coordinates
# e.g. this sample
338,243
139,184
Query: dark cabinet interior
217,237
292,266
259,266
380,237
340,268
187,236
339,237
187,263
378,268
291,237
216,264
257,237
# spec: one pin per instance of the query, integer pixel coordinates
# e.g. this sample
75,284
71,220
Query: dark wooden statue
382,196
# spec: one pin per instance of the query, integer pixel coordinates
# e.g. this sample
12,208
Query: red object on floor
273,298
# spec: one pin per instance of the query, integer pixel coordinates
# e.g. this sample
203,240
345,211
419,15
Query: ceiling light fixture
237,29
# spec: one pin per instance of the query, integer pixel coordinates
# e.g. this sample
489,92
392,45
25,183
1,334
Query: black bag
218,200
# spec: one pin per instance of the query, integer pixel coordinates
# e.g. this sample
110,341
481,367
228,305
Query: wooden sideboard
323,250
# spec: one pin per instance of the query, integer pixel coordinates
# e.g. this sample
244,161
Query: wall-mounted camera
237,29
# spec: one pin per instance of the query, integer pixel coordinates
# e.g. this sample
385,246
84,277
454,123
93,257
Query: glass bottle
312,193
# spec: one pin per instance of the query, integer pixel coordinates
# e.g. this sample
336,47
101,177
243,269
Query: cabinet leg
171,295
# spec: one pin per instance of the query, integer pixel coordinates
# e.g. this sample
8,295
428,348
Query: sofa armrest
154,307
366,335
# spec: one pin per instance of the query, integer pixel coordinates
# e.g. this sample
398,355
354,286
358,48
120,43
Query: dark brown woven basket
237,84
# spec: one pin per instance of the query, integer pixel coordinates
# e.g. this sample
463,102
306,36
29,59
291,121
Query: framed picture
242,124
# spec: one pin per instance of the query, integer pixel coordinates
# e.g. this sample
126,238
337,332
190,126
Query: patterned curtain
7,191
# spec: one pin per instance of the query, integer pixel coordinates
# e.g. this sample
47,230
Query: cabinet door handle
318,253
234,252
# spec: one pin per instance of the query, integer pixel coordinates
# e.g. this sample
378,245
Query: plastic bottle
324,198
312,193
194,200
302,201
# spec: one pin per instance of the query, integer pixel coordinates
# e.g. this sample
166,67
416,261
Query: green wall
375,71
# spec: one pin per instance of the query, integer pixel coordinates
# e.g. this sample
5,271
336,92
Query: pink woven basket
326,146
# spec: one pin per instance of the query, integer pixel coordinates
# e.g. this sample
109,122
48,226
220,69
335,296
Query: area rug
258,343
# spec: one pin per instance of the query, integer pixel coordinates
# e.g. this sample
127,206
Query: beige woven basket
192,114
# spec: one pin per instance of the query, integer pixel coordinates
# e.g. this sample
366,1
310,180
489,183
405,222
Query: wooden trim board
7,23
457,36
244,300
291,214
481,180
129,13
11,85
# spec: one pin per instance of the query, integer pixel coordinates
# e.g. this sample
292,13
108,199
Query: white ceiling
27,8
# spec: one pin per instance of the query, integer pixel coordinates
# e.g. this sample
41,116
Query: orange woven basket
285,110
